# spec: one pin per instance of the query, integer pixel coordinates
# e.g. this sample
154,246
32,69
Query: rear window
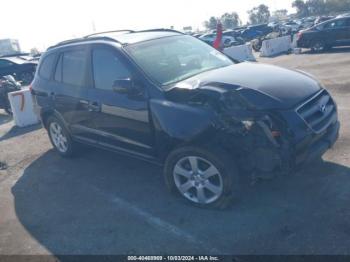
46,66
73,67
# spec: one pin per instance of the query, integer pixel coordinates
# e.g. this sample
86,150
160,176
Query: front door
121,119
336,31
347,31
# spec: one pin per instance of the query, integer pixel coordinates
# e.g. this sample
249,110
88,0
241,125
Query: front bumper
313,147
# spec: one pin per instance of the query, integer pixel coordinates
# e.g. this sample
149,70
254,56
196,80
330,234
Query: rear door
70,92
121,119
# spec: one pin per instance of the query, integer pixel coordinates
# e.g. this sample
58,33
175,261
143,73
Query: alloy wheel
198,179
318,47
58,137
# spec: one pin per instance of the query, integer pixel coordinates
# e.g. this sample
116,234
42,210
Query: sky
41,23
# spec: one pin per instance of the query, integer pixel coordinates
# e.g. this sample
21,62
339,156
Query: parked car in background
170,99
197,35
226,41
290,26
307,22
255,31
323,36
236,35
343,15
7,84
321,19
21,69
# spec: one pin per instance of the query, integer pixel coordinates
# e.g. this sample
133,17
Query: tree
34,51
316,7
301,7
320,7
211,24
230,20
280,14
259,14
337,6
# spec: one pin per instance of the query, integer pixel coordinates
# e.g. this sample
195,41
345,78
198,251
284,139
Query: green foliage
259,14
211,23
320,7
230,20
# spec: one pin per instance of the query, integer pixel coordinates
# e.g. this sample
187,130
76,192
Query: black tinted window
46,66
73,67
107,68
5,63
335,24
347,22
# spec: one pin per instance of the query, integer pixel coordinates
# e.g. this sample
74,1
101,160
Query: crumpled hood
265,86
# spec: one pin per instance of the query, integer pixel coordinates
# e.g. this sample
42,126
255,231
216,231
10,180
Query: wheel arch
46,114
177,124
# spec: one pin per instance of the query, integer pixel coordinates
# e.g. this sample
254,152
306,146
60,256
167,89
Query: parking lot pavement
103,203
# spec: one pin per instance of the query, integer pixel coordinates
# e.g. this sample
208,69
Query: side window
329,25
73,67
107,68
340,23
335,24
5,63
347,23
46,66
58,72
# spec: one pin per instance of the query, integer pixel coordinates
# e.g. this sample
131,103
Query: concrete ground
102,203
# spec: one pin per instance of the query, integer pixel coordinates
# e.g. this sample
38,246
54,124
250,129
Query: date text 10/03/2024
173,258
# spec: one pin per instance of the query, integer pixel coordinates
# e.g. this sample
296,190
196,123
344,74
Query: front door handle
94,107
53,95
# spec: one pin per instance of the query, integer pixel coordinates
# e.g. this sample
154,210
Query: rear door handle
94,107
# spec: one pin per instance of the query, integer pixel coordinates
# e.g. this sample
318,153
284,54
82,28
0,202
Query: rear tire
60,137
318,47
204,178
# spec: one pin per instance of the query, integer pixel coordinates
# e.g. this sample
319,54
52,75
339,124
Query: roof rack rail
106,32
159,29
95,36
83,39
15,54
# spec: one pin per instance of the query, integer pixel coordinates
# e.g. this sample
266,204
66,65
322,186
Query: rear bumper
302,44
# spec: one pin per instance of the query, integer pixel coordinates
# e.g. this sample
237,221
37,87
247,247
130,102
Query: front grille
318,112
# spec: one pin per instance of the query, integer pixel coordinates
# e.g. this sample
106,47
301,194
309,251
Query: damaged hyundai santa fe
170,99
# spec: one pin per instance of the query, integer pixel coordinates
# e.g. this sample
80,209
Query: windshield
172,59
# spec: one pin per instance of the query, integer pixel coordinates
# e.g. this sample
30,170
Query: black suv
323,36
169,98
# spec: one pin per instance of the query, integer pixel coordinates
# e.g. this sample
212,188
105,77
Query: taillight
31,88
300,34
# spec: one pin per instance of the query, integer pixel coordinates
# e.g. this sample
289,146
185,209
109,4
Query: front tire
60,137
204,178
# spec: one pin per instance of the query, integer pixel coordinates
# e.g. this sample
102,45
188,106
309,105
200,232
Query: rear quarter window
46,66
